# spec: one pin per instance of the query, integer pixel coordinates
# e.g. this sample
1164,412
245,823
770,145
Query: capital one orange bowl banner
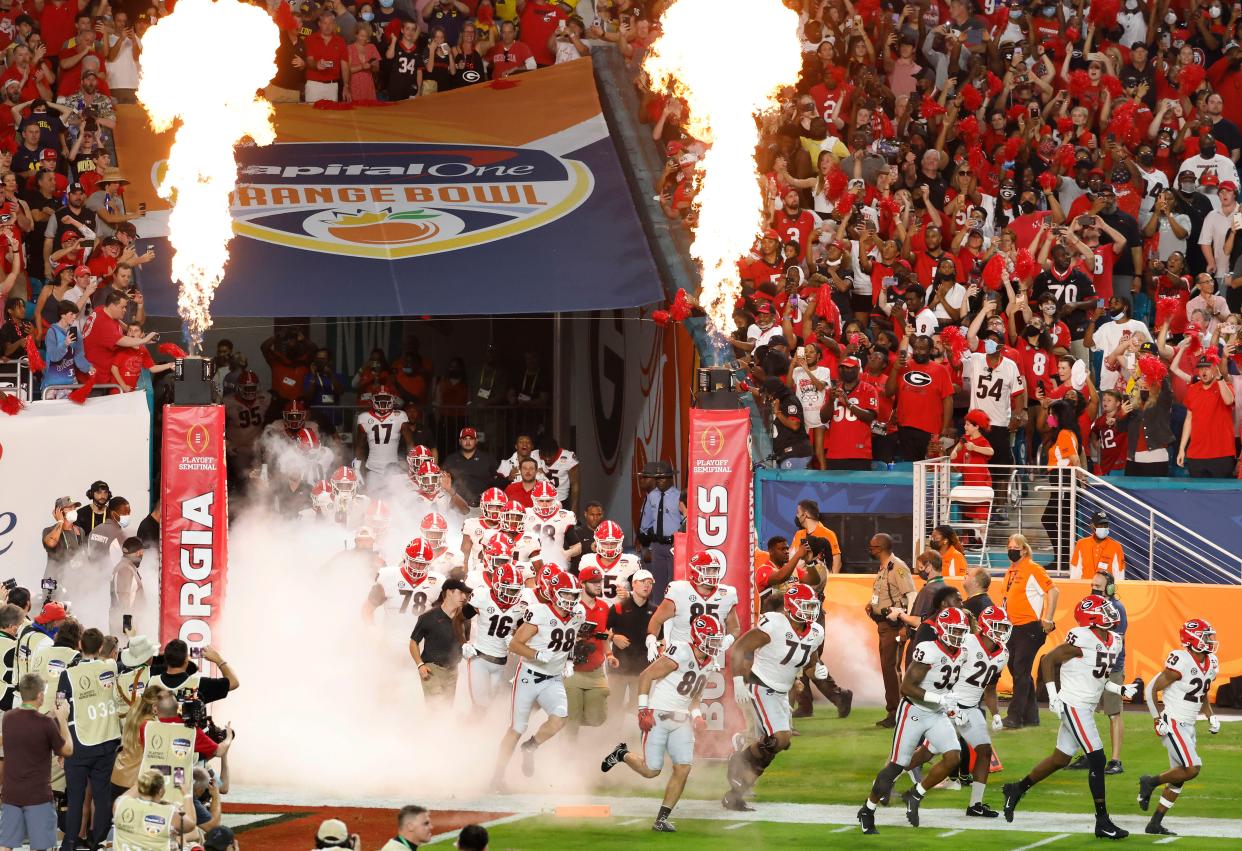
194,524
477,200
720,505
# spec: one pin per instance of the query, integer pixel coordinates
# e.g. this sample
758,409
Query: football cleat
616,757
1158,829
1148,783
866,819
1013,794
1105,829
912,801
663,825
981,810
733,800
528,759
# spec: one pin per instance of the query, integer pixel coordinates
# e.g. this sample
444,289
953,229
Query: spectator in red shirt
509,56
849,411
128,364
1207,448
528,475
105,334
538,21
924,398
289,354
56,22
1111,440
794,223
327,62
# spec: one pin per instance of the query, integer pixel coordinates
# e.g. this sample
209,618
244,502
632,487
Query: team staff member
975,587
442,631
807,516
927,568
945,542
627,621
891,594
1098,552
1031,601
587,688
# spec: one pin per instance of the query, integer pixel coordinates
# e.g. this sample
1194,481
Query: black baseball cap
1099,519
100,485
219,839
457,585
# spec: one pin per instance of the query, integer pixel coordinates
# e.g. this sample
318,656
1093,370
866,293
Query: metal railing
62,391
16,377
1052,508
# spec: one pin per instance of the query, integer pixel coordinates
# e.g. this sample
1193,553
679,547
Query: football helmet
952,626
1198,635
415,458
344,482
564,591
506,585
377,516
707,568
414,563
247,386
434,527
994,623
545,501
801,603
428,479
307,440
609,539
1096,611
706,634
513,517
543,583
497,552
294,415
383,401
492,504
321,495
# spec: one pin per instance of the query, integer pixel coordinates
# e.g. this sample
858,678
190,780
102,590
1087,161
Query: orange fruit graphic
388,232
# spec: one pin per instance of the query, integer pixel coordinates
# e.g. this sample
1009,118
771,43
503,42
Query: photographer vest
167,747
8,662
29,642
142,825
129,688
191,682
94,719
50,663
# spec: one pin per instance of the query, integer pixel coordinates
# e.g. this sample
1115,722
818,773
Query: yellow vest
50,663
142,825
129,688
167,747
8,659
29,642
191,682
94,719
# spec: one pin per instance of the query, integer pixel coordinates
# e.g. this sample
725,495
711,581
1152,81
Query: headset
1110,590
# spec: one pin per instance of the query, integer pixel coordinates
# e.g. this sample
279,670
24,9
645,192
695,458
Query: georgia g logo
917,378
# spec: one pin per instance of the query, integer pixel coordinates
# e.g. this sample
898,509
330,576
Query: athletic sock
919,791
1025,783
664,813
530,744
1157,817
976,792
869,804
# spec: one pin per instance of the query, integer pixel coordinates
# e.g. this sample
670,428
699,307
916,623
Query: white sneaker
949,785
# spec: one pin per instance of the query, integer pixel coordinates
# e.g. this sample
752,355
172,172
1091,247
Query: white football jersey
677,691
477,530
979,670
420,507
494,624
525,552
779,662
243,422
383,438
550,535
555,634
688,603
557,472
616,575
1083,678
1184,698
404,601
943,670
445,562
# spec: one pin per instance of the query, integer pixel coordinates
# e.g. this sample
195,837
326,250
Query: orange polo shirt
953,563
1092,555
1026,587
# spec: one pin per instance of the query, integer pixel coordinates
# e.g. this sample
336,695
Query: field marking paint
845,829
736,826
628,822
453,834
1042,842
947,835
1166,841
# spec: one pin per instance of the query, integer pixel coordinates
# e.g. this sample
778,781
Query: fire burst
725,90
186,77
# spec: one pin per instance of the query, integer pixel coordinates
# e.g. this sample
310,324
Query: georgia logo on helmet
306,440
706,634
344,482
1096,611
513,518
247,386
416,457
1198,635
952,626
321,495
801,603
543,584
378,516
492,504
506,585
546,503
428,479
383,401
564,591
433,528
995,624
497,552
294,415
707,568
609,539
418,555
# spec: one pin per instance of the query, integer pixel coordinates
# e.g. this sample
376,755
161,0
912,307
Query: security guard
661,517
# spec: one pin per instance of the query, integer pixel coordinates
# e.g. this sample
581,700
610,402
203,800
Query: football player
984,656
292,420
1185,684
924,713
546,524
543,643
349,506
497,551
1077,675
321,502
434,530
475,531
500,611
669,691
405,591
434,492
379,432
244,420
415,458
617,566
766,662
703,592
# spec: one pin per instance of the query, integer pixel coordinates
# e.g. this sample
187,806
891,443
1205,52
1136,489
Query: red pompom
1112,85
1189,79
972,98
1167,306
1103,13
955,343
1010,152
886,126
838,75
1015,112
1072,34
994,85
172,350
968,129
978,161
889,207
660,317
1048,181
679,310
1024,266
868,9
504,83
994,272
79,396
10,404
32,354
1153,369
332,104
835,183
930,108
1064,125
1123,123
1079,83
1065,157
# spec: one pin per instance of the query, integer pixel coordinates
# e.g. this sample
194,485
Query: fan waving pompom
1103,13
1079,83
1112,85
955,342
1167,306
1010,151
968,130
930,108
834,185
1153,370
1048,181
994,85
172,350
994,272
1189,79
32,354
972,98
1024,266
1065,157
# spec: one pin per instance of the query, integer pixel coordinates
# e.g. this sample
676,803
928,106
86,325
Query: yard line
629,822
736,826
453,834
947,835
1042,842
1166,841
847,827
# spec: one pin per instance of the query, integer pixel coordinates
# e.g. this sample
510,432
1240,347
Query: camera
194,714
10,584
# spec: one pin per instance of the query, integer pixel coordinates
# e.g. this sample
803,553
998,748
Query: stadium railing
16,377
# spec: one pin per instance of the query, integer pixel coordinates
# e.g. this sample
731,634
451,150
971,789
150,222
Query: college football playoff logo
712,440
198,439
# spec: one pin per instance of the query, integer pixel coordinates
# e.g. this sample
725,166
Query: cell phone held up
196,653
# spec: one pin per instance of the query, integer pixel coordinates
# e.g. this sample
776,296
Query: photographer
89,686
145,820
334,833
11,618
168,711
63,539
208,814
175,671
37,635
587,687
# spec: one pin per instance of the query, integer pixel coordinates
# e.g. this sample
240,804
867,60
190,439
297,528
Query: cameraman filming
175,671
168,711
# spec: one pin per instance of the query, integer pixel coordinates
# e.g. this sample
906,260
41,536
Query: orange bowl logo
712,440
198,439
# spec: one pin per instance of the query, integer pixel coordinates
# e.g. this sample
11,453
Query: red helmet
492,504
418,555
513,517
506,585
707,568
1198,635
247,386
321,494
801,603
378,516
952,626
294,415
1096,611
497,553
428,479
416,456
383,400
564,592
609,539
706,634
543,583
344,481
434,527
994,623
545,500
307,440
